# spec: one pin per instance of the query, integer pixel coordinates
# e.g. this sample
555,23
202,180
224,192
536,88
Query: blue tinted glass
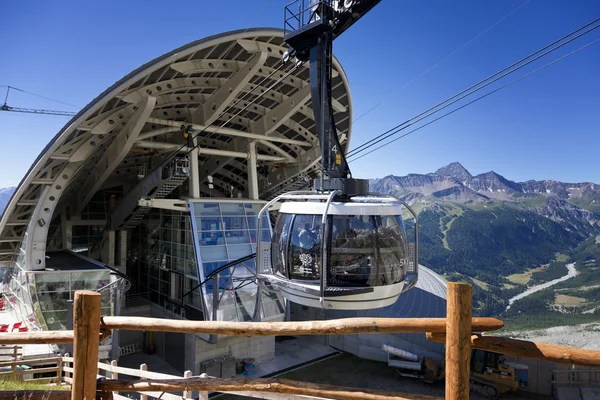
211,266
254,208
266,235
213,253
206,209
211,238
235,223
239,251
237,237
232,209
209,223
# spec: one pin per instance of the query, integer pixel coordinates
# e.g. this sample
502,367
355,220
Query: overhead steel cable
443,59
480,98
36,95
485,82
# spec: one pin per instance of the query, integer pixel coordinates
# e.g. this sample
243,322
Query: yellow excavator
490,376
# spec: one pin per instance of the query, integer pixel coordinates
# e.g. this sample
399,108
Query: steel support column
194,179
252,172
122,255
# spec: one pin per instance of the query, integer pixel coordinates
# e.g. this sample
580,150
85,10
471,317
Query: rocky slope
573,205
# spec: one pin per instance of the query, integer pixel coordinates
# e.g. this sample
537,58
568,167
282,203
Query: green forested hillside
504,237
489,244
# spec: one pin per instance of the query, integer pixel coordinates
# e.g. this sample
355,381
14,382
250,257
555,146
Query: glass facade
163,264
40,298
226,231
55,288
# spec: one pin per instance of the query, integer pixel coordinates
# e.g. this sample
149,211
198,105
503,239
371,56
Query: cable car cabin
361,242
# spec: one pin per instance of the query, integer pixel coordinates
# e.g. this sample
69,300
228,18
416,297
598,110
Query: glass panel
211,266
234,223
211,238
305,248
236,237
366,251
253,220
52,282
209,223
239,251
279,248
213,253
209,209
232,209
253,208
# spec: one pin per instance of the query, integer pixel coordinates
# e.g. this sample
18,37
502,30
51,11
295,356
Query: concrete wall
539,374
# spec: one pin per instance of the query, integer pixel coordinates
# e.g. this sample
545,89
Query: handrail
219,270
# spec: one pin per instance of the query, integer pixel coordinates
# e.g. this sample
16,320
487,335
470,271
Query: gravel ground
351,371
584,336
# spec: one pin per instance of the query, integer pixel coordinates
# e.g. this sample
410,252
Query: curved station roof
228,89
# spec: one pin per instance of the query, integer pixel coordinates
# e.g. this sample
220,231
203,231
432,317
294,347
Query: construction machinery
490,376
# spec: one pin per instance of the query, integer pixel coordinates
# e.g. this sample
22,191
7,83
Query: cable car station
211,184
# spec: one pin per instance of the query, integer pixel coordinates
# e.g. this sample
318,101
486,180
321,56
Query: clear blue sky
545,127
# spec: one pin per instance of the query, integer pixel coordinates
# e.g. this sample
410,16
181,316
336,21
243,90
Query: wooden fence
12,365
459,331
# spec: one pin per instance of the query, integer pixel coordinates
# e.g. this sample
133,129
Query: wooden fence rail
525,348
290,328
269,385
458,331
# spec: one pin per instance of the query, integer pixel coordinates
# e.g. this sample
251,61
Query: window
280,245
366,250
305,247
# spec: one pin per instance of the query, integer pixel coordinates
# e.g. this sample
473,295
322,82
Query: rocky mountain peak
455,170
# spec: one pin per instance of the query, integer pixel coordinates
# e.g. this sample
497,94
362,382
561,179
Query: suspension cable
480,98
487,81
422,74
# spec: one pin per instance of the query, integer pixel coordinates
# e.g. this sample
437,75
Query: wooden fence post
458,343
187,394
86,327
14,366
67,373
114,374
59,373
143,367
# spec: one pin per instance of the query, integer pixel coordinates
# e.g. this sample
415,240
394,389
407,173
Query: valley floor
572,272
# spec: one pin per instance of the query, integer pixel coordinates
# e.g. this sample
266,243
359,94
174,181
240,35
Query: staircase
157,185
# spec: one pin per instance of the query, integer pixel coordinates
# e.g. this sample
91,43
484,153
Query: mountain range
485,229
5,194
576,206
